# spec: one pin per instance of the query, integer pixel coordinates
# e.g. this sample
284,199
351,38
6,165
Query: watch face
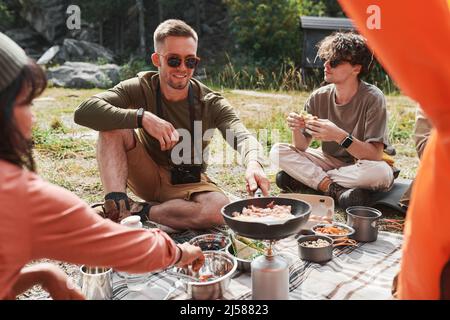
347,142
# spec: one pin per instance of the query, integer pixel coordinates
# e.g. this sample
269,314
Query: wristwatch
140,116
347,141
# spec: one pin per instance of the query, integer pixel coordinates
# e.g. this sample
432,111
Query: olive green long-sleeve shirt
117,109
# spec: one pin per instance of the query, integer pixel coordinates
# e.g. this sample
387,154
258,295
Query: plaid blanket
362,272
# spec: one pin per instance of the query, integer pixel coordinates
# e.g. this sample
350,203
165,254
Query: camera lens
189,178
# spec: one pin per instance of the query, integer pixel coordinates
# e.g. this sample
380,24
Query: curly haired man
348,116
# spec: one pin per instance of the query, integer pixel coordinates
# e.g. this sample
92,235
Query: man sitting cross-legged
141,121
349,117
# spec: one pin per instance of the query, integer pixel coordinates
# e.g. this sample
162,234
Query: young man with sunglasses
140,122
348,116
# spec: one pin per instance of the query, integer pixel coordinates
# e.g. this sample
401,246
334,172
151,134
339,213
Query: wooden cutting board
321,206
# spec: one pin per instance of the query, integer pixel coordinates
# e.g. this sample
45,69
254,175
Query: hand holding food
161,130
295,121
190,255
324,130
308,117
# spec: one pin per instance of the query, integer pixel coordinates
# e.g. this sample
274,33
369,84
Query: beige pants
311,166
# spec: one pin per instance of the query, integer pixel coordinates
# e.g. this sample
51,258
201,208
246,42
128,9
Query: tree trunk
141,13
197,16
116,35
100,32
121,35
160,11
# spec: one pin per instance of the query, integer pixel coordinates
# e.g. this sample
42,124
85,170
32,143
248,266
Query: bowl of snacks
213,241
213,279
245,251
315,248
333,230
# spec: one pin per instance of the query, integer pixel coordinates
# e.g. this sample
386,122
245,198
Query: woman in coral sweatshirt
41,220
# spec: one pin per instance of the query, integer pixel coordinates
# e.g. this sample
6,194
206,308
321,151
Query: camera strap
160,111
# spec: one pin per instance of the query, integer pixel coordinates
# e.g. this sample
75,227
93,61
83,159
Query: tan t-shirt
365,116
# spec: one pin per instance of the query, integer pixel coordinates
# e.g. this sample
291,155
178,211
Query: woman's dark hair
14,147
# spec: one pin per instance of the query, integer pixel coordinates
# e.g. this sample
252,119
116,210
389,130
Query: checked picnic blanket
365,271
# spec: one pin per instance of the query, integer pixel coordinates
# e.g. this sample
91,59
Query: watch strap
140,116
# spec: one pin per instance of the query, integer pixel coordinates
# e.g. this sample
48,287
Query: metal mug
364,221
96,282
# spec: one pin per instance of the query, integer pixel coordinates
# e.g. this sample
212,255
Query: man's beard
178,86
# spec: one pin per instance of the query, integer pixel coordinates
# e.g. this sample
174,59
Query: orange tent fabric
413,45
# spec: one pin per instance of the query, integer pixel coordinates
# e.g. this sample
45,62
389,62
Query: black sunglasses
334,63
174,61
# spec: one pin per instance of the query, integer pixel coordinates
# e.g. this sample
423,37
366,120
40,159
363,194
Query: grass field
65,152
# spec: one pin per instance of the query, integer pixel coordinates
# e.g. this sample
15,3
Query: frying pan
273,230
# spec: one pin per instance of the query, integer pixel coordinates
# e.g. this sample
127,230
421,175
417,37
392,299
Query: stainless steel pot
222,266
364,221
212,241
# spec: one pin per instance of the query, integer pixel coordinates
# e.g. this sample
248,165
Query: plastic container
135,282
132,222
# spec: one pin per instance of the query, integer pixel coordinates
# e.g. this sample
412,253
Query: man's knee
277,152
124,136
380,176
211,209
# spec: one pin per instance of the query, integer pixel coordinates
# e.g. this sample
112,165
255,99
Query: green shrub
266,31
134,66
250,76
401,125
6,17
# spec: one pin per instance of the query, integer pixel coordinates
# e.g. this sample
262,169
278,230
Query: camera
182,174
